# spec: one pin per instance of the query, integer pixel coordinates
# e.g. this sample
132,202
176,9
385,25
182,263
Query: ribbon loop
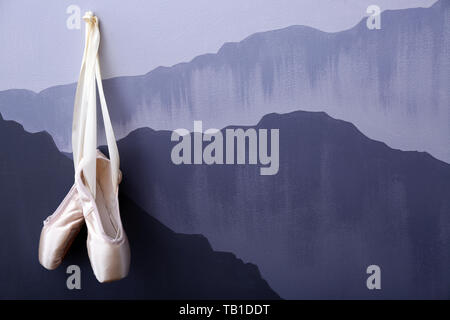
84,126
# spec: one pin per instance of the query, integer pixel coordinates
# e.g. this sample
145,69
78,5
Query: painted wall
363,162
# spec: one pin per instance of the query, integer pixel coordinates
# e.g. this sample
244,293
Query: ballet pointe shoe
59,231
61,228
107,243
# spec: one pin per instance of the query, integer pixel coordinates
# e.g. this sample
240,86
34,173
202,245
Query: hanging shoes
94,197
61,228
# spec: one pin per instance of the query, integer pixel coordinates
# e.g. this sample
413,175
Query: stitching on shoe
63,205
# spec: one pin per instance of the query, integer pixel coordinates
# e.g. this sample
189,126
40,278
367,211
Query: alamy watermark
74,280
73,22
373,22
241,146
374,280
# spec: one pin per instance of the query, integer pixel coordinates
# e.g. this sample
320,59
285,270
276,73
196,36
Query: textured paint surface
165,265
156,32
391,83
339,203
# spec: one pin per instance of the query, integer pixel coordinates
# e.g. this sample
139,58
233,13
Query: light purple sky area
38,50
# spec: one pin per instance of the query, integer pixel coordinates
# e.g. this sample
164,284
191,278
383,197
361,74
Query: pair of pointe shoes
107,243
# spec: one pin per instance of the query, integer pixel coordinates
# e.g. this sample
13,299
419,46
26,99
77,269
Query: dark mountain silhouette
391,83
339,203
34,177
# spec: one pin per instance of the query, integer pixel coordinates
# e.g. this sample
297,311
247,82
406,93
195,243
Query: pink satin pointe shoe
59,230
107,243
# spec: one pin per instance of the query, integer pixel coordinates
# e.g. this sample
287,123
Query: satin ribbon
84,127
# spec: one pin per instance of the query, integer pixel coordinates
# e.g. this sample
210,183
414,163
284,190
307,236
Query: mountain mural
391,83
339,203
34,177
